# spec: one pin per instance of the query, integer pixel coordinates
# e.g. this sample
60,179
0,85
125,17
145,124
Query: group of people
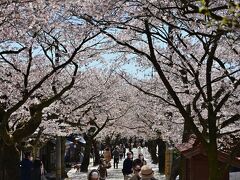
133,169
31,170
137,169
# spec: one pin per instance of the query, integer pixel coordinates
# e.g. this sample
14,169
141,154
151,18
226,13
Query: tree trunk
152,149
108,141
182,168
86,158
96,153
35,151
175,168
214,170
161,155
186,134
58,158
9,162
63,149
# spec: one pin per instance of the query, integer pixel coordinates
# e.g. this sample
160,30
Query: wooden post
168,162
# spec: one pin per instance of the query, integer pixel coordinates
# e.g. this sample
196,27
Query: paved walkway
116,174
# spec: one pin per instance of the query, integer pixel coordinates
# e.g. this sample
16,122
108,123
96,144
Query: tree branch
231,120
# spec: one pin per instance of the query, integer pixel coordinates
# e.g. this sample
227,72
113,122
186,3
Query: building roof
193,148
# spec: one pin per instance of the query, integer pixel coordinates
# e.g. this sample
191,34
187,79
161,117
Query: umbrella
80,139
68,142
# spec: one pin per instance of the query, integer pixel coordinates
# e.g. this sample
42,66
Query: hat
146,172
94,174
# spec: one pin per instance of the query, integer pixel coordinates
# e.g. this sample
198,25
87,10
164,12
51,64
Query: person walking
120,151
116,155
124,151
130,150
103,166
107,154
139,148
127,166
26,167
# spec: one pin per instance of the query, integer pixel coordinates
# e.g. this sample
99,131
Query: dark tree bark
87,152
63,166
161,155
89,137
8,141
176,168
96,153
179,166
9,162
152,149
108,140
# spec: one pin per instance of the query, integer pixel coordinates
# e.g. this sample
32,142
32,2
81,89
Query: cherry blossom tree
196,62
40,55
195,58
93,105
106,108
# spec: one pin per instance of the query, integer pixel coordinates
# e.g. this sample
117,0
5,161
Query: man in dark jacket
26,166
116,155
127,166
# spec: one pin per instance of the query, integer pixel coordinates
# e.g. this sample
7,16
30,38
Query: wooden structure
196,163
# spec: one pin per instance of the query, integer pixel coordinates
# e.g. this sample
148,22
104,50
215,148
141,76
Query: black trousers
115,162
